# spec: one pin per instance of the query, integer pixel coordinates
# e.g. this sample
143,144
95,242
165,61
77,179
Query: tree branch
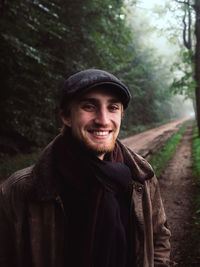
184,29
182,2
189,26
187,40
185,3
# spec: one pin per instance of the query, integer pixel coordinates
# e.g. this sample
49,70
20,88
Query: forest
44,42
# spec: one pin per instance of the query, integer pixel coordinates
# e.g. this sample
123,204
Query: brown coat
32,217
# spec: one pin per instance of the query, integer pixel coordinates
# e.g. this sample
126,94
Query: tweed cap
84,81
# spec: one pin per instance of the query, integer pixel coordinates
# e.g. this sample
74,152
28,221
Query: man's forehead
100,94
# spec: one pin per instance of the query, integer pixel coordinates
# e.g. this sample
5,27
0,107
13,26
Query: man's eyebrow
88,99
96,101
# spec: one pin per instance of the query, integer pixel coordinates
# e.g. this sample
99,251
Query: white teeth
100,133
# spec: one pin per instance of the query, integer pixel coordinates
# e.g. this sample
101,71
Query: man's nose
102,117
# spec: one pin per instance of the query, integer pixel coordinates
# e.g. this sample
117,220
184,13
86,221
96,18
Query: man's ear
66,120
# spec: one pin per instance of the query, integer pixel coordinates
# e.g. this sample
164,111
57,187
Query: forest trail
178,190
148,142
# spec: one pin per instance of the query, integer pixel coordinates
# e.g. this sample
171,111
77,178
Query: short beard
101,150
98,150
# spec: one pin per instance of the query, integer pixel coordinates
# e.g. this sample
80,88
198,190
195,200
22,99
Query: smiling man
95,119
89,201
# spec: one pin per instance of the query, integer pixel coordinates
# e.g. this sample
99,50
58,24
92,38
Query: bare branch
189,26
187,22
184,29
182,2
185,3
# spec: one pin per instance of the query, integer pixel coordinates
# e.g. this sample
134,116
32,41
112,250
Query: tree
197,60
193,51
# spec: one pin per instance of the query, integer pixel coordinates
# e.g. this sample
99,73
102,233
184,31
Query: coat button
139,189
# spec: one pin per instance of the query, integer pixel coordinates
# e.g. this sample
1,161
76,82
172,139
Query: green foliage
42,42
196,154
29,65
159,160
185,85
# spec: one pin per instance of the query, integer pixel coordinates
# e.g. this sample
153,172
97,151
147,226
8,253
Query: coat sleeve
161,232
6,236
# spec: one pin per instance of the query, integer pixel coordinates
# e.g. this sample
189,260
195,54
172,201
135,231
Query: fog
159,28
183,107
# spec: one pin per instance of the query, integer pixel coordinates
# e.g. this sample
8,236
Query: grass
196,172
196,154
159,160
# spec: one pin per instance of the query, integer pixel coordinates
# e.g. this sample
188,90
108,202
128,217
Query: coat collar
45,186
141,170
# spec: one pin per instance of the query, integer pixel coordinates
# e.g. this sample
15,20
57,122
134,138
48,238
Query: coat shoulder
17,183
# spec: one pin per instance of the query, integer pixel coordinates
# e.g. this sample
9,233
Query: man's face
95,120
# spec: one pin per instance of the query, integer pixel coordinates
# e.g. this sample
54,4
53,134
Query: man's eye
88,107
114,107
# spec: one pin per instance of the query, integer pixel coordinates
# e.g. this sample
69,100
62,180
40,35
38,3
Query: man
89,201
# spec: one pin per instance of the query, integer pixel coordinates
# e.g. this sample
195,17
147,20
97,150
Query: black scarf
96,199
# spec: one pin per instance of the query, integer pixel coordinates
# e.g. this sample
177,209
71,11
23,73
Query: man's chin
100,150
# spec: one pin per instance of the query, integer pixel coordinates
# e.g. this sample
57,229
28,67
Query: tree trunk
197,61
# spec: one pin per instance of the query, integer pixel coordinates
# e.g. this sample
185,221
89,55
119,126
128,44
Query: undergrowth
159,160
12,164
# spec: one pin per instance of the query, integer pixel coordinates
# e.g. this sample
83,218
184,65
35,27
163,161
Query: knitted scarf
96,199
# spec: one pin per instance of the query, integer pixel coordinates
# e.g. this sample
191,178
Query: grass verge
196,172
159,160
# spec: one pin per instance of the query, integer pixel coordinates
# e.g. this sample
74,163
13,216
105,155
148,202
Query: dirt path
146,143
177,190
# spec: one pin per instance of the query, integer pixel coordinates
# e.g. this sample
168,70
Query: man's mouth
100,133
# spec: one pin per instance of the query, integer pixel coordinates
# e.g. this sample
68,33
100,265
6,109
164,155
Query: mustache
99,126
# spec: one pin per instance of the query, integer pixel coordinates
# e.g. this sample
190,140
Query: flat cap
85,80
